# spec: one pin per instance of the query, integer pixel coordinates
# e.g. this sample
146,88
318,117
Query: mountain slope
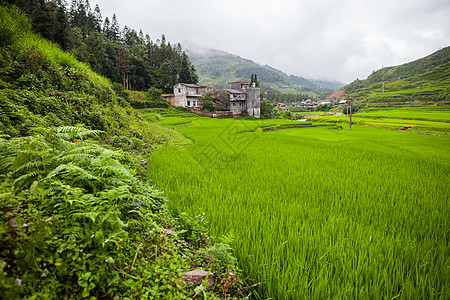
429,88
411,69
217,68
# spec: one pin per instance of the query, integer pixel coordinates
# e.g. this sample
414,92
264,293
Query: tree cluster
254,80
216,97
123,55
277,96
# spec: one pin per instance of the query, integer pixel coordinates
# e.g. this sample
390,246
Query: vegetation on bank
78,218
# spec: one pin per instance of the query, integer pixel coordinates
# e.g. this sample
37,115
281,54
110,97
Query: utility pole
347,108
350,115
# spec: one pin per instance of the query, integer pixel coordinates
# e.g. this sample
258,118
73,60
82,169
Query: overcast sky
320,39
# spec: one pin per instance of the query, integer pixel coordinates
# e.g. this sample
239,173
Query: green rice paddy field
318,213
431,120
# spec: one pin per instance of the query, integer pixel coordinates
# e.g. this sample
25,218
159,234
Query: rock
13,223
196,278
166,231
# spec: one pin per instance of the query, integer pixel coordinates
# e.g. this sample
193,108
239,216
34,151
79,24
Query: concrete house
245,98
188,95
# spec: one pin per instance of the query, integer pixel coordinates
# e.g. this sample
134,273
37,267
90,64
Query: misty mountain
218,68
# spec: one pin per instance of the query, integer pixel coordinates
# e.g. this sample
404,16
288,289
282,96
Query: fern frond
28,166
72,170
6,162
26,179
76,157
88,148
57,171
87,178
114,170
117,193
74,131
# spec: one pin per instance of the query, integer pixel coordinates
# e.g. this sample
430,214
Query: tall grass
13,24
15,32
320,213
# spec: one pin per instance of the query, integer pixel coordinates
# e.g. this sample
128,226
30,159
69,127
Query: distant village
310,104
242,98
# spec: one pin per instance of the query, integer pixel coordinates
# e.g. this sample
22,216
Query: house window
188,103
234,104
179,90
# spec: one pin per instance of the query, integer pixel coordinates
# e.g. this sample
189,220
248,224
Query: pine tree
122,66
98,19
256,81
61,28
107,28
115,29
185,74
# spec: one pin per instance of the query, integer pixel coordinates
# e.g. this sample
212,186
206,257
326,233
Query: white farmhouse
188,95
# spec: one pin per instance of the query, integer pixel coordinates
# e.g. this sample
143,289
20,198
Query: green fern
6,163
26,180
71,170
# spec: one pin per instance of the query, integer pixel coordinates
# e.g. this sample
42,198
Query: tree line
282,97
123,55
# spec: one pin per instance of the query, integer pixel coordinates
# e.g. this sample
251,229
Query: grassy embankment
318,213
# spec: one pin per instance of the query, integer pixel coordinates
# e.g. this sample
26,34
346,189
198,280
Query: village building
188,95
245,99
281,106
241,97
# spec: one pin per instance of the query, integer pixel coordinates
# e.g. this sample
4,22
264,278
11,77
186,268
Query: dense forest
123,55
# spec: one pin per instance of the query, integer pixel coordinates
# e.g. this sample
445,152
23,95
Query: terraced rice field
318,213
430,120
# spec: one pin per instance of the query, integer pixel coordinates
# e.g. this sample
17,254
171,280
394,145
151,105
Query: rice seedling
319,213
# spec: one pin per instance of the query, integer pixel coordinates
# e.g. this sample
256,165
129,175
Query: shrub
153,93
208,105
74,216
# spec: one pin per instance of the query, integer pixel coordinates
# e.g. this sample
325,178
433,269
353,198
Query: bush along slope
77,219
76,223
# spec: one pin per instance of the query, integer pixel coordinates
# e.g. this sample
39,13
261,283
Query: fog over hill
218,67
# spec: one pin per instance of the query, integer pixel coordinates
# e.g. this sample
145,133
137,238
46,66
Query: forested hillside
428,88
411,69
123,55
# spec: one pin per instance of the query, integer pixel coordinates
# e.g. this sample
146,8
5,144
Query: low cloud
324,39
